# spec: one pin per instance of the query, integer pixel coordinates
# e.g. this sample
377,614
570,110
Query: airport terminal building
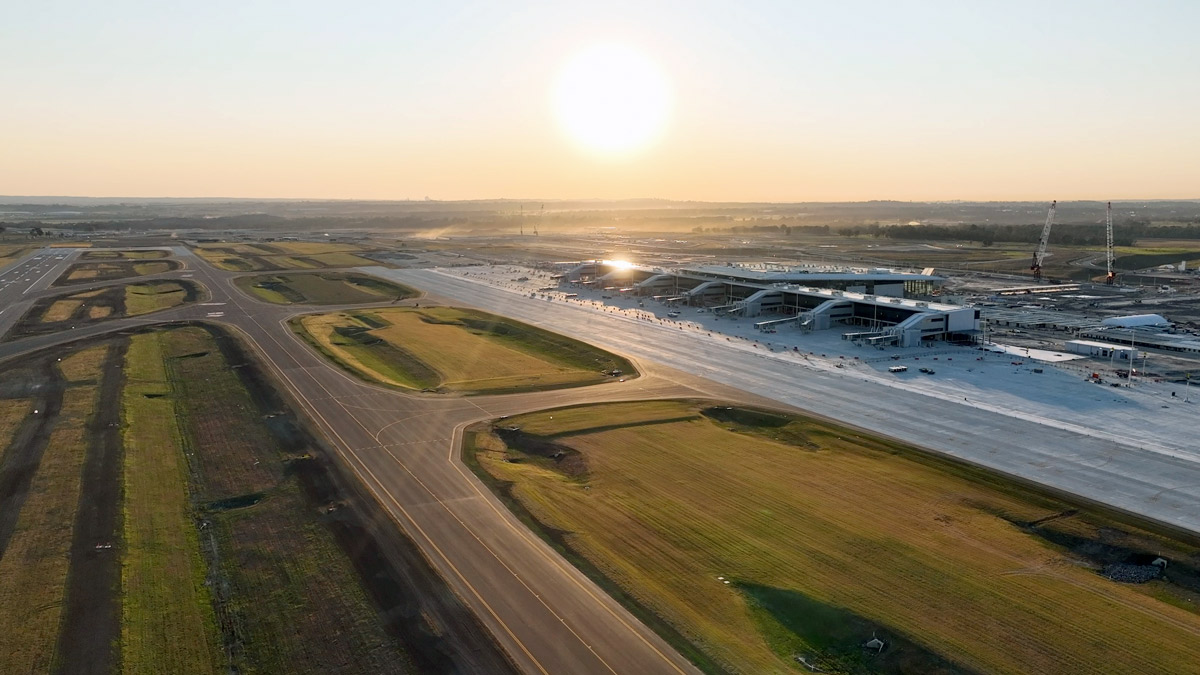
809,299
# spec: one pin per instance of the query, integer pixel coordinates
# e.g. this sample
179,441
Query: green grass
102,254
33,571
132,299
112,270
146,268
322,288
247,257
456,350
828,536
1142,260
153,296
168,624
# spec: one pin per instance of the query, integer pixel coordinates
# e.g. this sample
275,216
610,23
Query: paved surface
1097,450
20,281
547,615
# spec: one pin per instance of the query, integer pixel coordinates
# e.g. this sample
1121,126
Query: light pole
1187,383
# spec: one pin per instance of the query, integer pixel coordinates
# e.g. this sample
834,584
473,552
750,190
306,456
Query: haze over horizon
705,101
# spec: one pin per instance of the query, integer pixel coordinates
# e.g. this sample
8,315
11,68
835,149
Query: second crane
1040,254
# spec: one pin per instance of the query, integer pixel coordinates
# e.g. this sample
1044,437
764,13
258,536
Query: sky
766,101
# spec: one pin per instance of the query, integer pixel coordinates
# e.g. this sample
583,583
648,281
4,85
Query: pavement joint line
376,487
398,445
503,564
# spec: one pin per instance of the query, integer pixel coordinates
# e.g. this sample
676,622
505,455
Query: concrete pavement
1102,454
547,615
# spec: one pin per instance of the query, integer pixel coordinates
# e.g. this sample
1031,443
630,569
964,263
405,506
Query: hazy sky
783,101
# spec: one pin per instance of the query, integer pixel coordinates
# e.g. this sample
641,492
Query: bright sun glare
612,99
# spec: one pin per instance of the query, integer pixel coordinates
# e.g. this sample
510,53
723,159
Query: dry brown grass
13,411
84,364
61,310
82,273
33,571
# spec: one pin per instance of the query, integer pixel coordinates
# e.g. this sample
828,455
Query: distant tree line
785,230
1124,234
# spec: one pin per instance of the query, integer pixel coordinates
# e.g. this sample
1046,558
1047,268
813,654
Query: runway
542,611
1147,469
20,281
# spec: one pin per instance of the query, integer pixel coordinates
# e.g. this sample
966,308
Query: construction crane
1112,276
1040,254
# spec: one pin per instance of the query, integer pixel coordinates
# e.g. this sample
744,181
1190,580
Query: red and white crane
1040,254
1112,276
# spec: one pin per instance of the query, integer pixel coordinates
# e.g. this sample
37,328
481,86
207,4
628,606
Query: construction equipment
1040,254
1112,276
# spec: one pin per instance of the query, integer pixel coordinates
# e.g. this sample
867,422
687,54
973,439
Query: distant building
1135,321
1101,349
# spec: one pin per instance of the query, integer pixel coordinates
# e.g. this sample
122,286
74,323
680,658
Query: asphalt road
1149,471
543,612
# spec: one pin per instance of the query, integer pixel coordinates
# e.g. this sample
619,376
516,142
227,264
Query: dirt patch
24,453
91,626
1109,548
563,458
775,426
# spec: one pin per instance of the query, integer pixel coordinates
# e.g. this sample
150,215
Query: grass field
111,271
168,624
12,412
49,315
124,255
34,566
827,537
294,600
83,365
455,350
61,310
323,288
172,516
153,296
11,253
293,255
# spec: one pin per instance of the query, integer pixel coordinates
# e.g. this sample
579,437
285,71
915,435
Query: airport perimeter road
1146,471
543,612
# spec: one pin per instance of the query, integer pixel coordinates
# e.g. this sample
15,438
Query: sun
612,99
